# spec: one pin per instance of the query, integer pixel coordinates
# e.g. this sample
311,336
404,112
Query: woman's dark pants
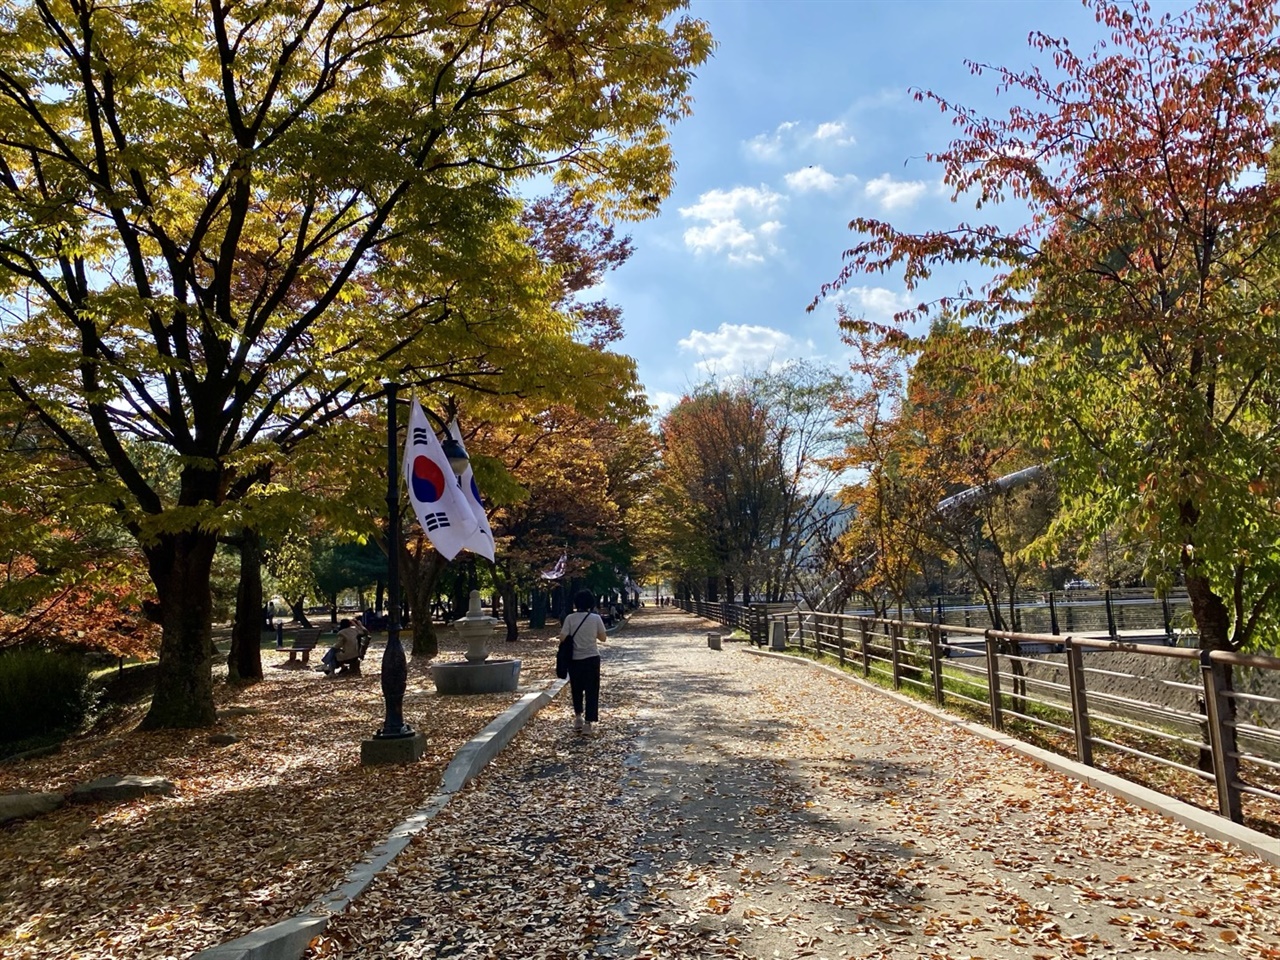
584,681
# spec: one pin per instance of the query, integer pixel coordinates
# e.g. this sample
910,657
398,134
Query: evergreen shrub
42,692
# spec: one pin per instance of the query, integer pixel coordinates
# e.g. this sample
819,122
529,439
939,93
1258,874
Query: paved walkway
742,806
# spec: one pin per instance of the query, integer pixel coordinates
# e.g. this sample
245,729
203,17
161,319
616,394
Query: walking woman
586,628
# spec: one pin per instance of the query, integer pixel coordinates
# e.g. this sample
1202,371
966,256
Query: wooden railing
1219,723
751,618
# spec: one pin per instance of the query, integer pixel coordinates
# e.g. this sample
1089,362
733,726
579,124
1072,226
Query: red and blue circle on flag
426,482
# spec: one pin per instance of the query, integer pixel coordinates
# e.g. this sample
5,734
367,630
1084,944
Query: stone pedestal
491,676
476,674
777,635
476,629
713,641
378,750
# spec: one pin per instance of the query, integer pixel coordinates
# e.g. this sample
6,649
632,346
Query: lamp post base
379,749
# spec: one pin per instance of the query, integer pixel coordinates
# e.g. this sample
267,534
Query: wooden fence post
935,661
895,654
866,647
840,637
993,681
1218,709
1079,702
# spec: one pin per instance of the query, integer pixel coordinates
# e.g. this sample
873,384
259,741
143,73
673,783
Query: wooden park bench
302,644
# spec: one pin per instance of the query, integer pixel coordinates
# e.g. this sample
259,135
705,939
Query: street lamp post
395,668
397,741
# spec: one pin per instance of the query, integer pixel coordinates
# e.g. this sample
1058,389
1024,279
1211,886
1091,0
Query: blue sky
804,119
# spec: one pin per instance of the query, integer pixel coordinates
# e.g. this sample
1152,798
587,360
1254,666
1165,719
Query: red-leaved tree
1139,296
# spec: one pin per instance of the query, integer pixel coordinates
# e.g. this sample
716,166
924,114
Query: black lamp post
395,666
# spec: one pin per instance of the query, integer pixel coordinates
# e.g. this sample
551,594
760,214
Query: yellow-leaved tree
223,228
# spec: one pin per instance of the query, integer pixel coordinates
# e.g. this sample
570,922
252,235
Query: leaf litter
733,806
255,831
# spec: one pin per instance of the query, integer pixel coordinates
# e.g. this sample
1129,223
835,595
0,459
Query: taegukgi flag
434,492
481,541
556,570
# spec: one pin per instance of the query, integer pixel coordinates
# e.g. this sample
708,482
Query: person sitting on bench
344,655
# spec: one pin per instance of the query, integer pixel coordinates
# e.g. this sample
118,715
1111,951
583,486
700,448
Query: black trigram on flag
434,521
419,436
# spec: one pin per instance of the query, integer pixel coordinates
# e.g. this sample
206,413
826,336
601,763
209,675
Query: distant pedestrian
587,629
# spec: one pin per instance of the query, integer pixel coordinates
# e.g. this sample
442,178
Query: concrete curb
1202,821
288,939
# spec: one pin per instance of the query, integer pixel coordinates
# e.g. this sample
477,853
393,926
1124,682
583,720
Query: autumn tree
1139,295
69,574
883,549
579,472
743,491
222,229
721,479
567,232
943,488
527,440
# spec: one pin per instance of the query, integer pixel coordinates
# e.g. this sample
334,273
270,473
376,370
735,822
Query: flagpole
395,667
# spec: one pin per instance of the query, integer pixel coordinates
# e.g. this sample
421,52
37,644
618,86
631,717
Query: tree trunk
421,574
180,566
511,612
459,597
1213,620
244,660
538,610
299,611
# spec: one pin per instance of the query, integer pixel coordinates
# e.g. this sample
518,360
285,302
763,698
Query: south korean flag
437,499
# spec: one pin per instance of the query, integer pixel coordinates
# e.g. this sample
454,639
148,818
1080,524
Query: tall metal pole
395,668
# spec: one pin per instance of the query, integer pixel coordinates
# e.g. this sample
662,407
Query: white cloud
787,136
735,347
720,235
722,204
734,223
663,400
814,177
835,133
875,301
767,146
895,194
